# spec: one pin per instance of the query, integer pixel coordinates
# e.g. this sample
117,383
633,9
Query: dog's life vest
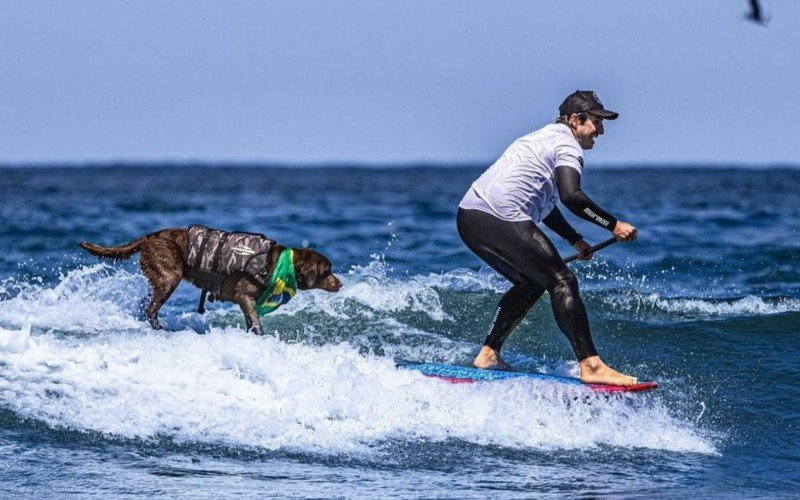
214,255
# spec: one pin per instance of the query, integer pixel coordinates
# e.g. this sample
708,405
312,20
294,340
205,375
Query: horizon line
395,165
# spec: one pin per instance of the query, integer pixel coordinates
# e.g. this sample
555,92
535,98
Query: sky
393,82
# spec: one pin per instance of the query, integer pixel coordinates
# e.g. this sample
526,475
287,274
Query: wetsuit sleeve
556,221
568,182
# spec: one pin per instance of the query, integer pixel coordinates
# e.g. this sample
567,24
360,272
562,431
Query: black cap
585,101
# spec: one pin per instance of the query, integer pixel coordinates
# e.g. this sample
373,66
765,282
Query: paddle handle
594,249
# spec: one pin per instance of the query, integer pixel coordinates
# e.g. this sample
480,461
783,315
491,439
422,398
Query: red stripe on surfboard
452,380
644,386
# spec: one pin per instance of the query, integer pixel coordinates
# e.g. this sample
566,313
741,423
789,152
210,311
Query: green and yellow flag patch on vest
282,286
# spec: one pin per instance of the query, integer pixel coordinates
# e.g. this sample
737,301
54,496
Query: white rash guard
520,185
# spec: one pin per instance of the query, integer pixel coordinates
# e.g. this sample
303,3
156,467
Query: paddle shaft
594,249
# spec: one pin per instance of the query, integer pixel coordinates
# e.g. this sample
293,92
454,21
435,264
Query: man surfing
497,220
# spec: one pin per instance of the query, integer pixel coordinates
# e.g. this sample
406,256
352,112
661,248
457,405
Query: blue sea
94,403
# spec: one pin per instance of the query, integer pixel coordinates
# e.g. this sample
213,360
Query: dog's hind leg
163,266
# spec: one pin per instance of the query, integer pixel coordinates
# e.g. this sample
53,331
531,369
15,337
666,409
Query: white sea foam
467,280
368,290
388,295
73,303
15,342
233,389
486,280
87,364
745,306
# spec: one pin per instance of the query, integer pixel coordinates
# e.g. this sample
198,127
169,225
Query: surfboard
467,375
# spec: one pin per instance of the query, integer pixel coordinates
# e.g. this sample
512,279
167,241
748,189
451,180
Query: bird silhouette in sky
755,14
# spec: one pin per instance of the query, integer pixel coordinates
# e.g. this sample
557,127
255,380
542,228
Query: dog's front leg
201,307
248,305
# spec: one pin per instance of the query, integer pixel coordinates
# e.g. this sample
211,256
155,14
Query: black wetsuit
522,253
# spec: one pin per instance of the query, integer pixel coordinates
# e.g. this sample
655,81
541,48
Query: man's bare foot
594,371
489,359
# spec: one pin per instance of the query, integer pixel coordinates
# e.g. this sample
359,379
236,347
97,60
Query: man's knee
563,279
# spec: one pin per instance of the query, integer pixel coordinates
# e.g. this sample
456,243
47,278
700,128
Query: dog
164,262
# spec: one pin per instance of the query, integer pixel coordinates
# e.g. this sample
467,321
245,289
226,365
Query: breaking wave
695,307
233,389
76,356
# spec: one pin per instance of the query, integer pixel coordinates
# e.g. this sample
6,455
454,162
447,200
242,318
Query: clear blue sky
400,81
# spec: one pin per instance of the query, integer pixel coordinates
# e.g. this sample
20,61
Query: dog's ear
306,268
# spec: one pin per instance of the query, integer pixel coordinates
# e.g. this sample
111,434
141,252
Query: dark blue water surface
706,302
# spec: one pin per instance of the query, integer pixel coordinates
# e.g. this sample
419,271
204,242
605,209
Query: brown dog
163,261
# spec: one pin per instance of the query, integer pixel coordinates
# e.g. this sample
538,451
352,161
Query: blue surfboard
465,375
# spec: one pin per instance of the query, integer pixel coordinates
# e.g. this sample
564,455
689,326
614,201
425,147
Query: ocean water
93,402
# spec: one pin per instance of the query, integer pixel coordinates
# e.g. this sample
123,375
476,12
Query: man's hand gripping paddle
593,249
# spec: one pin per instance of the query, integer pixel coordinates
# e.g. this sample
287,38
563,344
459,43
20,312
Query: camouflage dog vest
214,255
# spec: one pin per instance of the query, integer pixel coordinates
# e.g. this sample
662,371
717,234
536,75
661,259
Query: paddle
594,249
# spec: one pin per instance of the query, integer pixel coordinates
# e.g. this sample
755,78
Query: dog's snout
331,284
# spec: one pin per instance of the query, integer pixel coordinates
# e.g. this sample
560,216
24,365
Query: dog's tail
118,252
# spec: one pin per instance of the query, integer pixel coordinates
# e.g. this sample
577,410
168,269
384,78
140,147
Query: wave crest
232,389
691,308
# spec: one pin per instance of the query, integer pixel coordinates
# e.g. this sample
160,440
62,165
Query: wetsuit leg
513,306
570,313
525,256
